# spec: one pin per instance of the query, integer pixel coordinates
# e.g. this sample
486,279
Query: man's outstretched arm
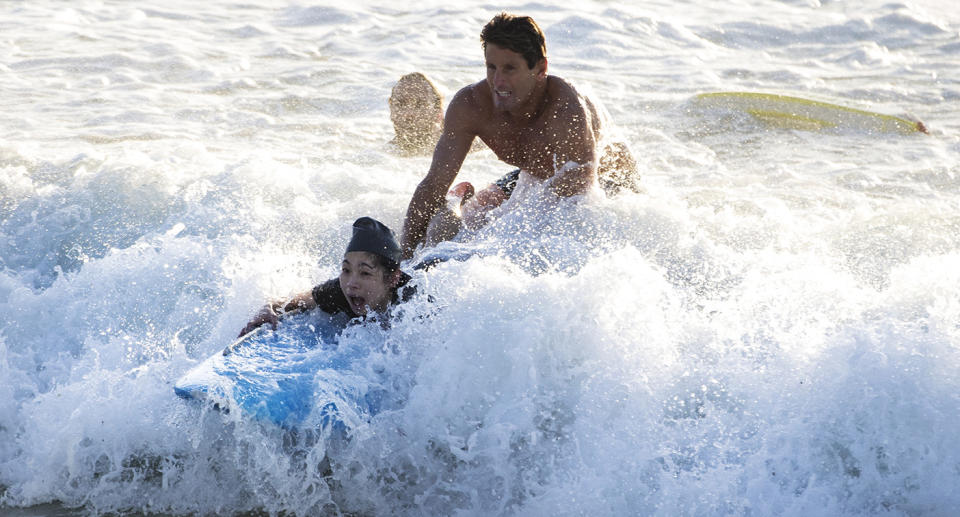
430,195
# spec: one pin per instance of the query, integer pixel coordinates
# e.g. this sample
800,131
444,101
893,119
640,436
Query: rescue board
783,111
296,376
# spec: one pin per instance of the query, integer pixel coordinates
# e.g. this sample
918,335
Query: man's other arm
575,143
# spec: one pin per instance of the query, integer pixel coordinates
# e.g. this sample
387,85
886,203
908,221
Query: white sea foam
769,328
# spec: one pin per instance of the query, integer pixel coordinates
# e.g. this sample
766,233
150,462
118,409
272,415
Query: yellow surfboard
787,112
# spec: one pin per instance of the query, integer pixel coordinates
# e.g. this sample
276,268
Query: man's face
511,81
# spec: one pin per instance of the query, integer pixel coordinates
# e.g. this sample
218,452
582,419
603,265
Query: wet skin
364,283
529,119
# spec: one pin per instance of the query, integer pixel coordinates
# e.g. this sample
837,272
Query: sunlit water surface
771,327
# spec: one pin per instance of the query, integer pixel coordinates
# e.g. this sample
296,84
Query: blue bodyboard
296,376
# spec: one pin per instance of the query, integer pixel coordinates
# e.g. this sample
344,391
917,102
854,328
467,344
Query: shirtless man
530,120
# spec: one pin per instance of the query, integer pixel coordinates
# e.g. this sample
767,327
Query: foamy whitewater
771,327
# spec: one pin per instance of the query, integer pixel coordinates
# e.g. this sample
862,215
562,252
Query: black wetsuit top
508,182
330,299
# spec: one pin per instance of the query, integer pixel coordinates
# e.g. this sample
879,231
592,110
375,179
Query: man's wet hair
517,33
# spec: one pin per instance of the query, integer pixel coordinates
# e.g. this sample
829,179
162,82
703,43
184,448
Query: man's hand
473,210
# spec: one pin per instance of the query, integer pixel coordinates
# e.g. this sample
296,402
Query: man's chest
529,148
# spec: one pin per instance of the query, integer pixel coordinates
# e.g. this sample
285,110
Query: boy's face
364,283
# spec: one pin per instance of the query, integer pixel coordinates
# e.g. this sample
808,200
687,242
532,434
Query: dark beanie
373,236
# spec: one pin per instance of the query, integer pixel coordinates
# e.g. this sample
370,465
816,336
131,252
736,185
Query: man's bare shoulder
467,108
561,90
565,100
471,97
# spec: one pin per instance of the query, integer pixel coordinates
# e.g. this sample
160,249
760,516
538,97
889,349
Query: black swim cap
373,236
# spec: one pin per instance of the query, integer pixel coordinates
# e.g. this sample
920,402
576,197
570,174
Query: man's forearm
573,178
413,232
421,210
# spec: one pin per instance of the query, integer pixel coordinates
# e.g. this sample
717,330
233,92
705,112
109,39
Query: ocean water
771,327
